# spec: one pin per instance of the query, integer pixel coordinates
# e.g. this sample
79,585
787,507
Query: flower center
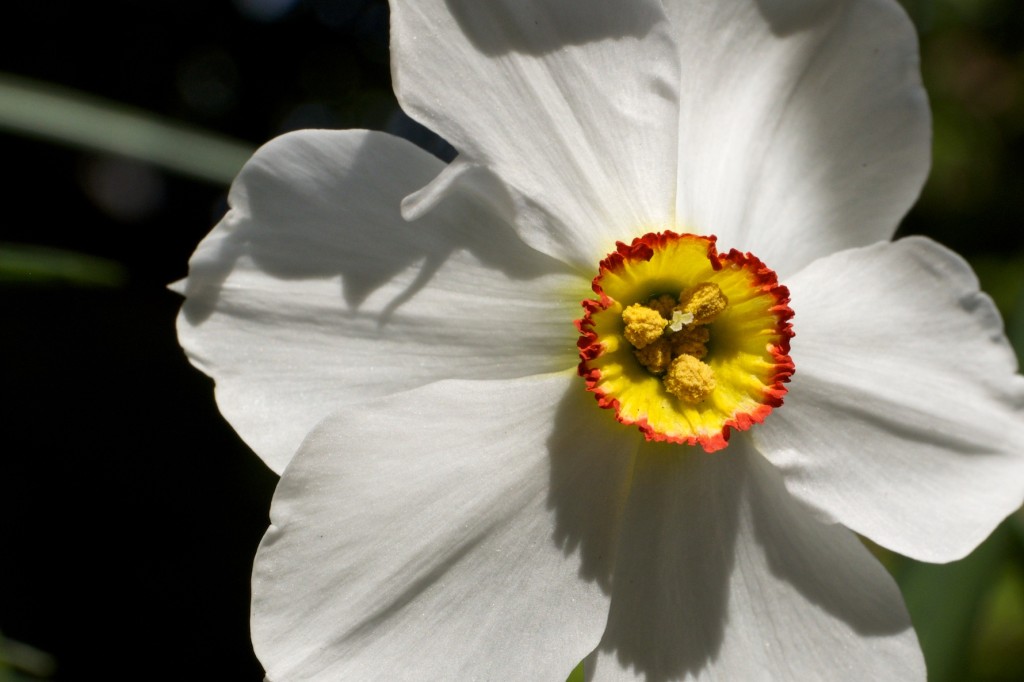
684,342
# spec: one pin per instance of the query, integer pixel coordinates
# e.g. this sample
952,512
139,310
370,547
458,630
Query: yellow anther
690,341
689,379
705,301
656,356
669,338
664,305
643,325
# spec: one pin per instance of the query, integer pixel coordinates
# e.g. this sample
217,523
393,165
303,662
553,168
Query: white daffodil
405,340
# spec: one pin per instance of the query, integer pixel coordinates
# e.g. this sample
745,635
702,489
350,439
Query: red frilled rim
765,280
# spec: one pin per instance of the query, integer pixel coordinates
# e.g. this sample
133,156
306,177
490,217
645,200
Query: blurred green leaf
999,637
17,658
944,601
27,264
577,674
61,115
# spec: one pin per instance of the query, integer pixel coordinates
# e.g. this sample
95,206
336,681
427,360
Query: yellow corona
685,342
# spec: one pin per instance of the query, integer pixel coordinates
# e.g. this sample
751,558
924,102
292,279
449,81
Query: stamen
665,305
690,341
643,325
658,340
655,357
689,379
705,301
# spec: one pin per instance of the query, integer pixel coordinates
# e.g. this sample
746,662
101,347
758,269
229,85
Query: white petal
460,531
804,128
313,292
721,575
905,419
572,104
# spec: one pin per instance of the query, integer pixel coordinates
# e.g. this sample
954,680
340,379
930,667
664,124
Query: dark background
129,510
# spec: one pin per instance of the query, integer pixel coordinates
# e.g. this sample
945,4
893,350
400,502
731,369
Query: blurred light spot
207,80
124,189
264,10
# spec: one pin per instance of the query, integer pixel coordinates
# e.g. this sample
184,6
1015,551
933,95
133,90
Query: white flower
453,503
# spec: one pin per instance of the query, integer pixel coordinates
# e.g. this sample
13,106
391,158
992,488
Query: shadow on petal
304,210
592,458
538,27
791,16
826,563
670,589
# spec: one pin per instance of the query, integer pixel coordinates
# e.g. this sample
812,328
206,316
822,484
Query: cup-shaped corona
685,342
